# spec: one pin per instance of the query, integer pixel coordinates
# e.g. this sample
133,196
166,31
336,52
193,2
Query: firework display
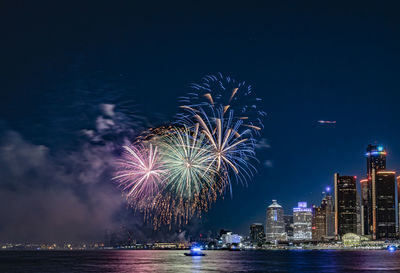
174,172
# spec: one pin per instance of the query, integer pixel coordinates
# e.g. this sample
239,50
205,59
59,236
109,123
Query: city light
375,153
196,249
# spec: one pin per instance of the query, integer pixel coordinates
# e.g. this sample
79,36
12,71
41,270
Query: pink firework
140,173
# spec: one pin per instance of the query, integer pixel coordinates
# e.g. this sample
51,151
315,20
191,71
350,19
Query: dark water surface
215,261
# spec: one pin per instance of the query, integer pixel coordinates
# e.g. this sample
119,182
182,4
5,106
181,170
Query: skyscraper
323,227
330,214
319,223
288,219
398,206
302,222
366,208
376,160
257,235
345,205
383,204
275,226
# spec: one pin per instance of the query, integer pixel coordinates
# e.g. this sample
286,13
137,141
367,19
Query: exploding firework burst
232,147
141,174
187,157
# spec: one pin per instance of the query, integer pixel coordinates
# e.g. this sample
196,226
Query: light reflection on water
122,261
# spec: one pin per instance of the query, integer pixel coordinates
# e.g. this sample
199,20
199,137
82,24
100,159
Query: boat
195,251
194,254
234,248
391,248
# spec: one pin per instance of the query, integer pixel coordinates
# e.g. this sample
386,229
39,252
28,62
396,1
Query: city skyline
351,211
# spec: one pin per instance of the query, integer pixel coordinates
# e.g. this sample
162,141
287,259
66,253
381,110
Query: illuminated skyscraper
330,214
398,206
302,222
383,204
324,219
288,219
366,211
319,223
345,205
376,160
275,226
358,211
257,235
378,196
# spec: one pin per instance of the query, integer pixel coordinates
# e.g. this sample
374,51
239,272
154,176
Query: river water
216,261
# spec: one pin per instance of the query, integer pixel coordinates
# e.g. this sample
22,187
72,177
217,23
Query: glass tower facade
288,219
398,206
383,200
275,225
302,222
376,160
345,204
257,235
366,214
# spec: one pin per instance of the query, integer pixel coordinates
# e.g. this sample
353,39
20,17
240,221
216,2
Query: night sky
68,69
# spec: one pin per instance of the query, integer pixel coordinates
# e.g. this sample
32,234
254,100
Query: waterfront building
351,240
319,223
376,160
378,190
330,214
257,235
366,216
398,206
358,212
288,219
302,222
323,222
384,207
274,224
229,238
345,205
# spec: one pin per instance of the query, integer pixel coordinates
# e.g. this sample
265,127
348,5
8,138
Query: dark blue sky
306,60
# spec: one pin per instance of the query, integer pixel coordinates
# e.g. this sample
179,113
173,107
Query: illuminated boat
195,251
391,248
234,248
